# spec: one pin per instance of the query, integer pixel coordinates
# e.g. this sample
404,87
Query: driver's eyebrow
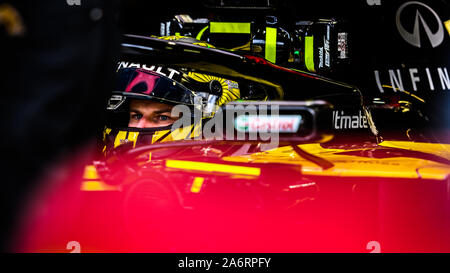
135,111
165,110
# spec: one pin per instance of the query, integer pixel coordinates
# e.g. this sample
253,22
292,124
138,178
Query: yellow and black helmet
201,93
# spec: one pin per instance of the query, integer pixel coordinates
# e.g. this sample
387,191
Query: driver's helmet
203,94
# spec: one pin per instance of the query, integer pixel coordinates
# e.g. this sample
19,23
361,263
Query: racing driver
140,109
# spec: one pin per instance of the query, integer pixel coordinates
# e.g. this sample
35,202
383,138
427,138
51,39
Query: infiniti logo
414,37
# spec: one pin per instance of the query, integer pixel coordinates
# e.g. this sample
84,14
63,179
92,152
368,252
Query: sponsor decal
162,29
168,72
342,45
421,27
342,121
373,2
324,53
259,123
326,45
435,37
320,57
73,2
413,79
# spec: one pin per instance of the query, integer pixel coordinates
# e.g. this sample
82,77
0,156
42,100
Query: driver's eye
136,116
163,118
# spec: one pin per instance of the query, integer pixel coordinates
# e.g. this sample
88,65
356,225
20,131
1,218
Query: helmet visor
145,84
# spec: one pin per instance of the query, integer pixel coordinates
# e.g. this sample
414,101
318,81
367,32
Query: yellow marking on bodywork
212,167
309,53
439,149
200,33
403,91
230,27
271,44
246,46
97,186
434,172
352,165
92,181
197,184
204,45
90,172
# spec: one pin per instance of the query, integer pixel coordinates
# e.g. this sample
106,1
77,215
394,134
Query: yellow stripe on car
230,27
212,167
200,33
309,53
92,181
271,44
90,172
97,186
197,184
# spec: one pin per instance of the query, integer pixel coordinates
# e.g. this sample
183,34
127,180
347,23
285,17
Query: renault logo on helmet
413,38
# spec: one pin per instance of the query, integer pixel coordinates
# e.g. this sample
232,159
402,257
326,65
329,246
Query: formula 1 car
399,116
320,189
